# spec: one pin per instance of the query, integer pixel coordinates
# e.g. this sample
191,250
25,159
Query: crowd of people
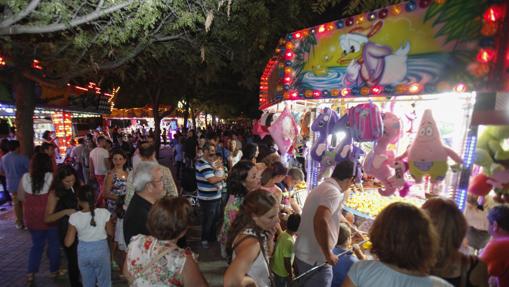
111,201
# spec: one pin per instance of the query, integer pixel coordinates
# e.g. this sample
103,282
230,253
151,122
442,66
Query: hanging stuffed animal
323,125
380,161
284,131
342,149
305,121
490,153
427,155
260,128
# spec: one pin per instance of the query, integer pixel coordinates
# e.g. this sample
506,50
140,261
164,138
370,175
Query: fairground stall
67,112
132,120
394,90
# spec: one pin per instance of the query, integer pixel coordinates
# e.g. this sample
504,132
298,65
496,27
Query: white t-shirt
87,232
375,273
98,155
327,194
26,182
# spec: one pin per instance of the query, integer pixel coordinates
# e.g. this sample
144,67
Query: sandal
30,279
58,273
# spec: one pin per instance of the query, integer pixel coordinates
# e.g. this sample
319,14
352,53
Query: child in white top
92,225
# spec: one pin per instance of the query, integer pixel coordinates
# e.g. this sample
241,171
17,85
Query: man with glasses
208,194
148,187
319,227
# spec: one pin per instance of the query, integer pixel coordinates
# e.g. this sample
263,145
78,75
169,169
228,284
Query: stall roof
405,49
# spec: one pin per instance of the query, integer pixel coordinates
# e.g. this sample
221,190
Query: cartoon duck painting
427,155
369,62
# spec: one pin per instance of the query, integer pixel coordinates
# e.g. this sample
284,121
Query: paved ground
15,245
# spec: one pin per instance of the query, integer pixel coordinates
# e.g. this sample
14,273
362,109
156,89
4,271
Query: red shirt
496,256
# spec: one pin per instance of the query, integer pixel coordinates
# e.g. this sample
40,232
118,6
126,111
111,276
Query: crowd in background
111,201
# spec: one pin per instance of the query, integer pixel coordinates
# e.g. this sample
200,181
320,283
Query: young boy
346,261
283,254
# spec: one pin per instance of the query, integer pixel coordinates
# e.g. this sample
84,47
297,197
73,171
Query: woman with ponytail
250,241
92,225
33,191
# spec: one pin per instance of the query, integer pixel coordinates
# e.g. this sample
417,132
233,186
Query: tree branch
15,18
111,65
24,29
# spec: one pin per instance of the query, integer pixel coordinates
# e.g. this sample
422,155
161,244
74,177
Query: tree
77,39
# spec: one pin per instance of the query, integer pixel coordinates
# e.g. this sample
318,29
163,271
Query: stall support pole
460,195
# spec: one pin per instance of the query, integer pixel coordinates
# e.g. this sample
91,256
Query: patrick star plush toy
427,155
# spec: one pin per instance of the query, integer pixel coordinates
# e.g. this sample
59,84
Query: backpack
365,122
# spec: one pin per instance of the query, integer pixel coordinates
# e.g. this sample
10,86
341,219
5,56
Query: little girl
93,226
115,189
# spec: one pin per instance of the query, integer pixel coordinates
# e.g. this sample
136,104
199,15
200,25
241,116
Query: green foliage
458,20
351,7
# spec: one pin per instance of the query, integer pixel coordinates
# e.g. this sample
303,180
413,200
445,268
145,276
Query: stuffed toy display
494,160
490,152
427,155
343,147
323,125
380,161
284,131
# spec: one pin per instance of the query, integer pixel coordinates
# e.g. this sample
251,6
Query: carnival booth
134,119
67,112
394,90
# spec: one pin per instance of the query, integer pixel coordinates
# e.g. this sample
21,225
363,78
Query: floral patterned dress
167,271
230,213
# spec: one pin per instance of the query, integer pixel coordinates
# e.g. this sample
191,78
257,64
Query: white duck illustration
377,65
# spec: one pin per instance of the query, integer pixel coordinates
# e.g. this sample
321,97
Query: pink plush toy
380,162
427,155
284,131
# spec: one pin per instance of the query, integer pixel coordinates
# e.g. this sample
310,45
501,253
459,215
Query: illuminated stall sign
62,121
416,47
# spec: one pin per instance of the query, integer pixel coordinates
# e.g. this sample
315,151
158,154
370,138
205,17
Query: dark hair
45,146
81,141
249,151
63,172
13,145
256,203
207,145
4,145
169,217
237,176
100,138
293,222
403,235
344,234
344,170
87,194
276,169
46,135
500,215
451,227
39,166
146,149
120,152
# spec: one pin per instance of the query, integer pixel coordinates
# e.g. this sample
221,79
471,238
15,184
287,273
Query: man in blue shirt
209,194
14,165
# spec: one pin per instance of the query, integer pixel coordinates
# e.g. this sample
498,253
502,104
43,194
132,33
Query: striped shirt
206,190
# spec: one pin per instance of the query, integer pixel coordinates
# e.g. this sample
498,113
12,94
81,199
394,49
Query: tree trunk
25,105
157,120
